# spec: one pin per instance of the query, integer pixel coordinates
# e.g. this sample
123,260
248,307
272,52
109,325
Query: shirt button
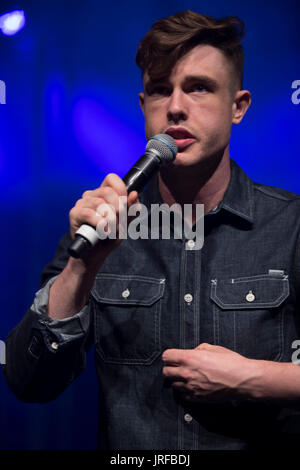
250,296
188,298
126,293
190,244
188,418
54,345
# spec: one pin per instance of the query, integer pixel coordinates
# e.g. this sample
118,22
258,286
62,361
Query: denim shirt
240,291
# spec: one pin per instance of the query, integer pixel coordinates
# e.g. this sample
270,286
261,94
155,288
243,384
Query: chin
185,160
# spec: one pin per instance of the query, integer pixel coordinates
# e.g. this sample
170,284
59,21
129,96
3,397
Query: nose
177,108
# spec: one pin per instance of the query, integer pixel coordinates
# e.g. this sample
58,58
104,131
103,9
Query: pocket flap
127,289
263,291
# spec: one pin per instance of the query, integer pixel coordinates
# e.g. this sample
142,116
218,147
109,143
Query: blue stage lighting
11,23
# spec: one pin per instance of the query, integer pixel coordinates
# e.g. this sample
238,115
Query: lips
182,137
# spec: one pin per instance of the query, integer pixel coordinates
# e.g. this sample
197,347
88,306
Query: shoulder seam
269,191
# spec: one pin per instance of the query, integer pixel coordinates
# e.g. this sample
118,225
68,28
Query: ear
240,105
142,101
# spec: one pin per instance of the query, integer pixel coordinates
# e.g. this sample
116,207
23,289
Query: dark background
72,116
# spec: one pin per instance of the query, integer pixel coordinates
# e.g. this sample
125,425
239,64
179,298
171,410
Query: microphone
161,149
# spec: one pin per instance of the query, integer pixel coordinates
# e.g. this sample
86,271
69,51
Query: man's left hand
208,372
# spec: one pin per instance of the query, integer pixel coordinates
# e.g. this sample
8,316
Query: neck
205,183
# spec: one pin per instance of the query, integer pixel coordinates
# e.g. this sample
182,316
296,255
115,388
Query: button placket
188,418
190,244
188,298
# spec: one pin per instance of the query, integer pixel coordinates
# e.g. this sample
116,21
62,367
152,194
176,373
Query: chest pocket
249,314
127,310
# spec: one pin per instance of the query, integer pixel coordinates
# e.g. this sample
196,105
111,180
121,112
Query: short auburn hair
171,38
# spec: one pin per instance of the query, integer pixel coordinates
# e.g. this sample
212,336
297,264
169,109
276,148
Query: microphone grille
165,145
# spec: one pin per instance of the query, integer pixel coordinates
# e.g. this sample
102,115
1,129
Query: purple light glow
1,160
104,138
11,23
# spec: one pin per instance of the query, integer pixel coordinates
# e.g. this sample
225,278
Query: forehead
201,60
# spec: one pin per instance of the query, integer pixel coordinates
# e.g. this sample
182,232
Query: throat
205,186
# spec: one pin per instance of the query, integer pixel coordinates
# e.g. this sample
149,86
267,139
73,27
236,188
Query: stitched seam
275,303
126,277
235,211
257,278
268,192
181,341
155,297
234,331
124,360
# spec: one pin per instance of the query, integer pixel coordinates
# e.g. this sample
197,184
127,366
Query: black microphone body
160,149
142,171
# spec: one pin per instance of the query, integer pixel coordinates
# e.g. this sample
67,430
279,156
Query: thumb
133,198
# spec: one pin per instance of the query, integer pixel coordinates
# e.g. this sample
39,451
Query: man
193,347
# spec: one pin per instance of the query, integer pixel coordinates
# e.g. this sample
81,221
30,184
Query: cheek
153,121
216,122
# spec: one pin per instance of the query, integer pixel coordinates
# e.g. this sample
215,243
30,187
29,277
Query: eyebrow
211,82
205,79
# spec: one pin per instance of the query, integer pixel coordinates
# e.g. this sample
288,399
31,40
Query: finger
174,356
133,198
180,387
83,215
90,202
173,373
111,181
106,194
111,202
116,183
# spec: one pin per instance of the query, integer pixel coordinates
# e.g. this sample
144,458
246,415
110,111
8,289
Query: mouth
182,137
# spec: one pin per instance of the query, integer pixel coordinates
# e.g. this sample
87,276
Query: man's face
196,105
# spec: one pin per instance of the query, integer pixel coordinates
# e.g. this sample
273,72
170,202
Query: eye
199,88
158,90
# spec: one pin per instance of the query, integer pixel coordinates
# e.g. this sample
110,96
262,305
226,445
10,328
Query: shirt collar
238,198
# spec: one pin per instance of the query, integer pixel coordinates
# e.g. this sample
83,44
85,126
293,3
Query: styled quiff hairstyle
171,38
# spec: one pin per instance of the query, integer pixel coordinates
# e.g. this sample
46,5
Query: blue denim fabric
245,285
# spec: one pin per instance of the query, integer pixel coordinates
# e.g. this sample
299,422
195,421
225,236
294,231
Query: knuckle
85,194
188,357
78,203
186,375
109,180
107,192
205,357
86,212
111,176
116,183
72,212
204,346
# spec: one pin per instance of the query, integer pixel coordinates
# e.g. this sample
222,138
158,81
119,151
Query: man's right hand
70,291
85,212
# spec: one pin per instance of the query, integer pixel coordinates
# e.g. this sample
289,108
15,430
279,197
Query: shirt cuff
66,329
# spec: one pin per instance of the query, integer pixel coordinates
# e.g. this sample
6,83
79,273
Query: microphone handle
142,171
135,180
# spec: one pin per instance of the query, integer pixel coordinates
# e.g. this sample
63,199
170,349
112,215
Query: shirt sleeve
65,330
44,355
